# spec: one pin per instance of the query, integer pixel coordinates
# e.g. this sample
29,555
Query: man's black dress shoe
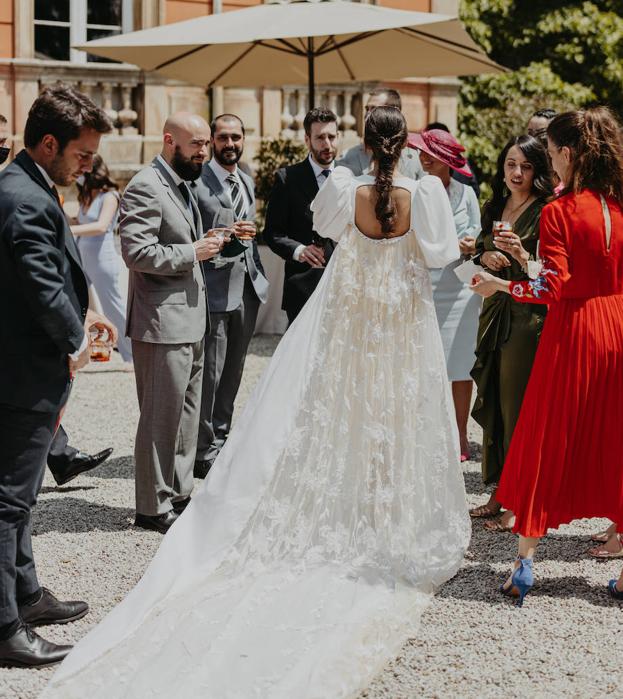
25,648
78,464
49,610
159,523
180,505
202,467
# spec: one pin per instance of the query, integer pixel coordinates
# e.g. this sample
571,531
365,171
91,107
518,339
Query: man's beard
323,158
186,168
59,172
228,156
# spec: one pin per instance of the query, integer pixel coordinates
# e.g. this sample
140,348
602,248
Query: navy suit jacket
43,291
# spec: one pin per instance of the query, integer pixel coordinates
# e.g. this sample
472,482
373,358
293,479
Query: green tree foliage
273,153
561,54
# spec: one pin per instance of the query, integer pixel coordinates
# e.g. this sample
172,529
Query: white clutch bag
466,271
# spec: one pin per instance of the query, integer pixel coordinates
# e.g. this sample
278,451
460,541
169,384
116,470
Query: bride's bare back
365,216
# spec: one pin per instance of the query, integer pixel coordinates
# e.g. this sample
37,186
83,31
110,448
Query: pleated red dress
565,460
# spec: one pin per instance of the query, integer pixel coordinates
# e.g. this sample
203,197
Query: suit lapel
213,182
28,164
174,192
308,181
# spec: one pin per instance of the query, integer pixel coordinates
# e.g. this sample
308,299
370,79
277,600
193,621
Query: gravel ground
566,642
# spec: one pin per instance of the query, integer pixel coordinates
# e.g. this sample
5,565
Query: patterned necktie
237,200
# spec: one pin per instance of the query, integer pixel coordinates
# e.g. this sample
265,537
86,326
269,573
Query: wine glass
222,222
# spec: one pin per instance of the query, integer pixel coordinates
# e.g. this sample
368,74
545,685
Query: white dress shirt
85,340
321,179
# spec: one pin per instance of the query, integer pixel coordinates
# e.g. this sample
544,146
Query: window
59,24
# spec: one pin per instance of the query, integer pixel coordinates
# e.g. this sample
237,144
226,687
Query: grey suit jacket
166,291
225,283
358,161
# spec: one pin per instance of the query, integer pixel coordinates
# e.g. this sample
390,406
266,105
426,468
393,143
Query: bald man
163,244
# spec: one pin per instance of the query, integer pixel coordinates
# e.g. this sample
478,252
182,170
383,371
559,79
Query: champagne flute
223,221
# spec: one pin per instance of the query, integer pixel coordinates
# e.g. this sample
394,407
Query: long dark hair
98,179
542,184
385,135
596,144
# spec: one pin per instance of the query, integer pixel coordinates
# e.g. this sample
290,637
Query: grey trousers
225,352
168,383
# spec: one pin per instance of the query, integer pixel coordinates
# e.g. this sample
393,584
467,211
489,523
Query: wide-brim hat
443,146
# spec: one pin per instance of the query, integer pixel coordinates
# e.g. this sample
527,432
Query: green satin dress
508,335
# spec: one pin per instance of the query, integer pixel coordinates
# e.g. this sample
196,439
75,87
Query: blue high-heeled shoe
614,591
522,581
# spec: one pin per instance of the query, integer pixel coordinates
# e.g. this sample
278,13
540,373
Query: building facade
36,39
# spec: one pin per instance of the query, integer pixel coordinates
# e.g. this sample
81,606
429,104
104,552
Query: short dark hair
63,112
226,117
2,119
393,96
546,113
318,115
438,125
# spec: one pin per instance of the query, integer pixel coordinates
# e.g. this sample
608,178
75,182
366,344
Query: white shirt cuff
297,253
83,345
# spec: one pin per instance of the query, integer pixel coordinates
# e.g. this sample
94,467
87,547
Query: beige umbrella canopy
318,41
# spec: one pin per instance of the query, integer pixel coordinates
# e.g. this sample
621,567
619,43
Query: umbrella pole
311,78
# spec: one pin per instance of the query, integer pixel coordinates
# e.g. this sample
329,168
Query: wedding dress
336,507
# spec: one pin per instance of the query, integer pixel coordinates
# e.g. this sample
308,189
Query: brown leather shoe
25,648
49,610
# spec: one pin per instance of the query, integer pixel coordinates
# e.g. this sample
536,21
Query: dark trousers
26,437
60,453
225,353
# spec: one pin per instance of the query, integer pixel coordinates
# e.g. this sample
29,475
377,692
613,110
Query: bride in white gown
337,506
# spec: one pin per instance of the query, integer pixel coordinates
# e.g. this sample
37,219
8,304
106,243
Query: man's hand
80,363
245,230
467,245
209,246
313,255
96,321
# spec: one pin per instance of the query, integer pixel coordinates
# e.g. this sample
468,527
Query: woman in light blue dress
457,308
97,219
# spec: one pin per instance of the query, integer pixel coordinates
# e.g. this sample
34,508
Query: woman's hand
467,245
486,284
511,243
494,260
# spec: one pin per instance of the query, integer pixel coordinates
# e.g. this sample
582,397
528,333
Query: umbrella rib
353,40
291,47
180,57
341,55
432,38
233,63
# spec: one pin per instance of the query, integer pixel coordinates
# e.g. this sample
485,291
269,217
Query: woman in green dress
508,332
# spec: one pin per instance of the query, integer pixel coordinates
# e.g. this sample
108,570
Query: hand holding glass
100,345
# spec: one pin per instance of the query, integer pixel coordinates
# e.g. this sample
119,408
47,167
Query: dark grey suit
167,321
235,291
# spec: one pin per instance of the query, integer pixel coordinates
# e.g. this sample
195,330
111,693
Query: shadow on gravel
474,484
65,488
118,467
480,583
71,515
264,345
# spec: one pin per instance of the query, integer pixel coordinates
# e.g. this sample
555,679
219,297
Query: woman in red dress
565,458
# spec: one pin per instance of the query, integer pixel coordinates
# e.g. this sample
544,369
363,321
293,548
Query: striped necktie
237,200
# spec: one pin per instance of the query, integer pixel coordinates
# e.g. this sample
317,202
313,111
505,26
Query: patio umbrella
324,41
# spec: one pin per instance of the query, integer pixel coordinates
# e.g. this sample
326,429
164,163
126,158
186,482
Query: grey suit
166,320
358,161
235,291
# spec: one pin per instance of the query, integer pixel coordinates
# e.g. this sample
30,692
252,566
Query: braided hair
594,138
386,136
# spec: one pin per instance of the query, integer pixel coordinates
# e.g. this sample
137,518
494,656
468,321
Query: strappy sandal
603,554
498,526
602,537
485,511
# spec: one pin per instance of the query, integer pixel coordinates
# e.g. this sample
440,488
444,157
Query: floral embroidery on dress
534,288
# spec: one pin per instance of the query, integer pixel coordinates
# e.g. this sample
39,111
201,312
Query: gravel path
566,642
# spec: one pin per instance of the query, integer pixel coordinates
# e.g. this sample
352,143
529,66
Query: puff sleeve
333,206
433,222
